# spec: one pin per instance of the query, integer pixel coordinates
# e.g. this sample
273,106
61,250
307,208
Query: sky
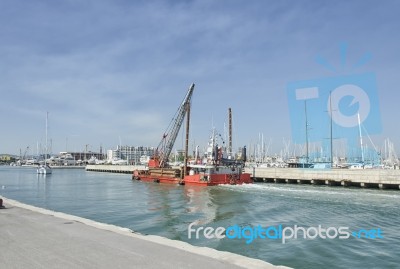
115,72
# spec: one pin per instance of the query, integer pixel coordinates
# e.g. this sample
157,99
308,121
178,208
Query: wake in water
325,190
373,198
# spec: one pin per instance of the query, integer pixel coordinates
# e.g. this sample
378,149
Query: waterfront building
6,157
133,155
83,156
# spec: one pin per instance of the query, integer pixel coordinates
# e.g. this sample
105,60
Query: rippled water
166,210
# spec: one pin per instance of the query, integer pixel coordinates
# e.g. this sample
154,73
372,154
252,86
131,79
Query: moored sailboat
45,168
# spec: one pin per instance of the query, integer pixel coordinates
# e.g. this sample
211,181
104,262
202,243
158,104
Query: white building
134,155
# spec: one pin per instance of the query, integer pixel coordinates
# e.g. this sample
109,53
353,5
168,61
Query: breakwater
365,178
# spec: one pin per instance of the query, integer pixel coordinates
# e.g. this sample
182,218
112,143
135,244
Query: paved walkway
32,237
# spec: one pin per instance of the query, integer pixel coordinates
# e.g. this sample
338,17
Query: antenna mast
230,133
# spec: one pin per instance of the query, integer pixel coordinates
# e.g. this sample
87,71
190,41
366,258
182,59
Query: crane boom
26,151
169,138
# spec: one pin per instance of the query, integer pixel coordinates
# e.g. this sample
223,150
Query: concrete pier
32,237
363,178
124,169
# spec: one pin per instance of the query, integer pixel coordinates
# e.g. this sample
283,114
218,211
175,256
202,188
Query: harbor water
168,210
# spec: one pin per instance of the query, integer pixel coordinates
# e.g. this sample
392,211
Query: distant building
179,155
134,155
5,158
82,155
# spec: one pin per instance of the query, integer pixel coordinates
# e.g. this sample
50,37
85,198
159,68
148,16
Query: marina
217,164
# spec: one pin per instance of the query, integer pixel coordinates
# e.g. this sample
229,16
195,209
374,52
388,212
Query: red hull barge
218,180
201,175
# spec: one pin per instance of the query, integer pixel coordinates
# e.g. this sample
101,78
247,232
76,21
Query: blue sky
111,71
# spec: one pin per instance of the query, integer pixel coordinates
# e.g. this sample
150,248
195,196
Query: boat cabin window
195,171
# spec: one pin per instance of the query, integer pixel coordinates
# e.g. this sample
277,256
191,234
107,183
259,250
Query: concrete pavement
32,237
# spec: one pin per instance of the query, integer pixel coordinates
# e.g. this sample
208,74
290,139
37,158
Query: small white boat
44,169
118,161
92,160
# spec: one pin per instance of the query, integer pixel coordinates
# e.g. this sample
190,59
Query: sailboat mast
305,111
230,133
262,148
331,127
45,157
361,141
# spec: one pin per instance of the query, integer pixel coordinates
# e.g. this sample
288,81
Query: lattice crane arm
170,136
